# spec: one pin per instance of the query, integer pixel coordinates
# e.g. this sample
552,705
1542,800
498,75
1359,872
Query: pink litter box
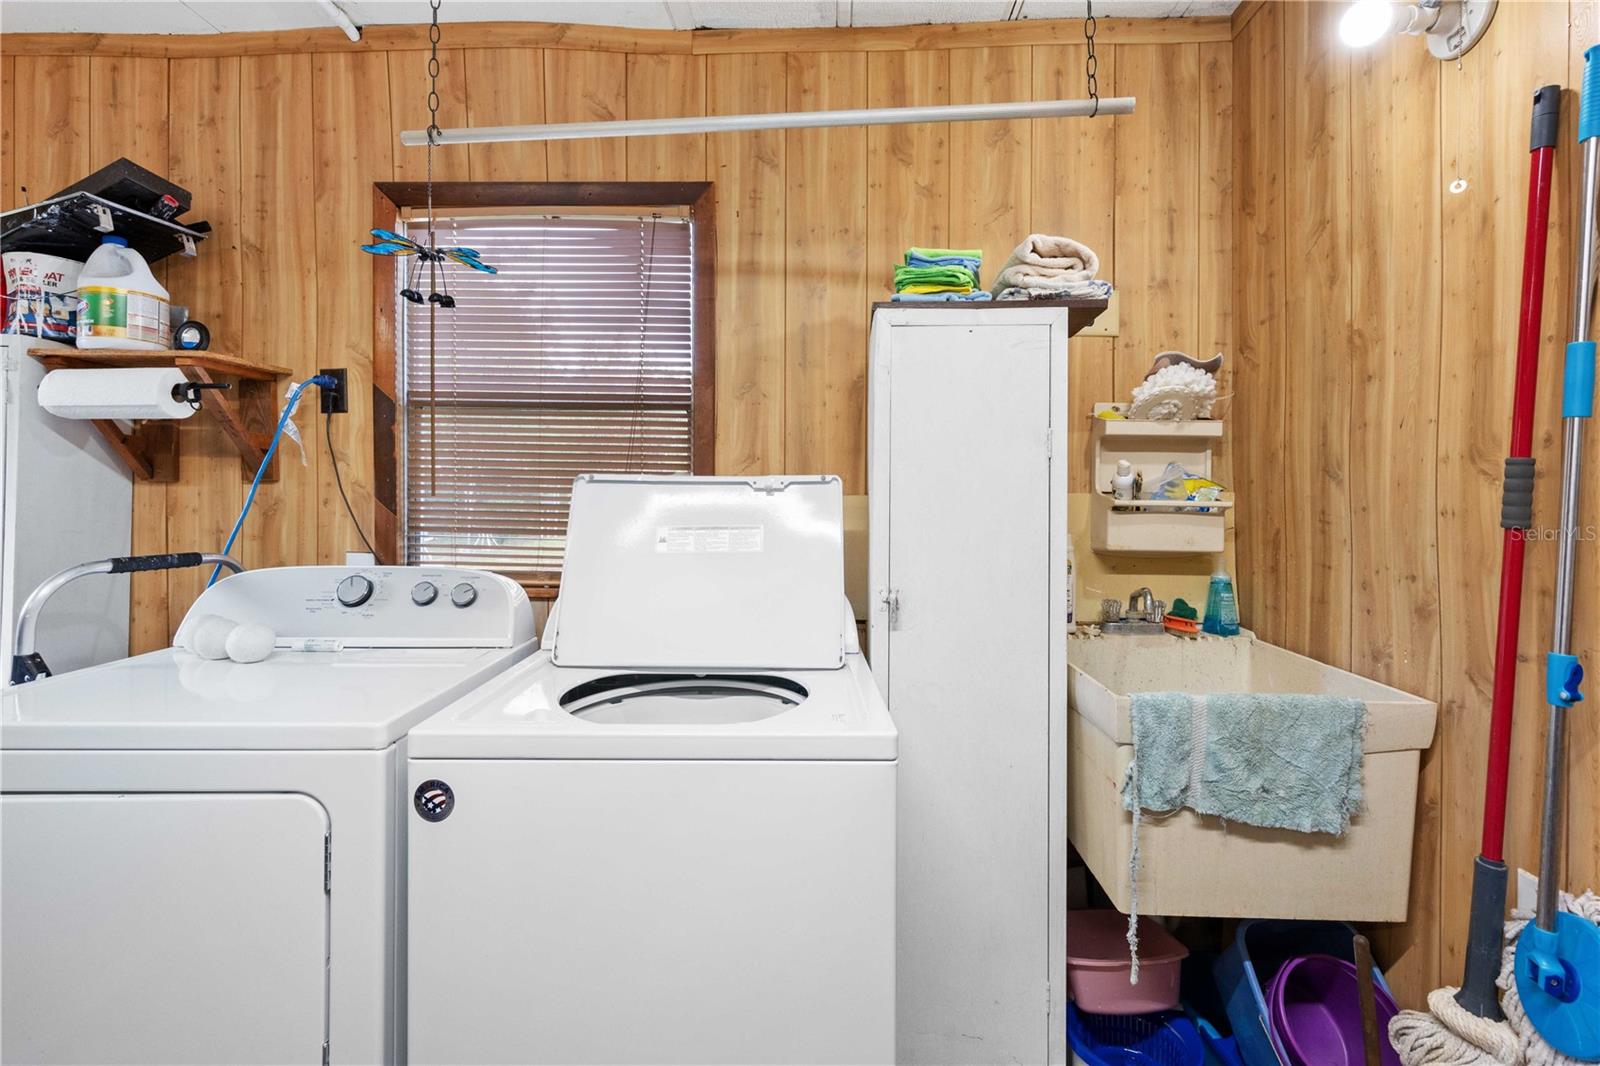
1098,964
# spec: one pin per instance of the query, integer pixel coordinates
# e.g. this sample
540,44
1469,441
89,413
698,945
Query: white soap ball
209,638
250,643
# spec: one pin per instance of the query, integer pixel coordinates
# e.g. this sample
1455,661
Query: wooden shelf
1081,313
246,411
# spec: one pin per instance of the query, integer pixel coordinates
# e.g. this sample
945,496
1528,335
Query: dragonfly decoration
392,243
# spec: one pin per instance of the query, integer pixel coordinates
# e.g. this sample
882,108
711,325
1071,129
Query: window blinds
577,357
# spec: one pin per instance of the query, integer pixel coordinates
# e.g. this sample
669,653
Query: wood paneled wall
281,140
1381,200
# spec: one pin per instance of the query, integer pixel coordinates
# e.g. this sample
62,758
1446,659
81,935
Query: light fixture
780,120
1452,27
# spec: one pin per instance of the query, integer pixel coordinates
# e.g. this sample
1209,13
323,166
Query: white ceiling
225,16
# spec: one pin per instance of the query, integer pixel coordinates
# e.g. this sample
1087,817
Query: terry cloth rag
1046,262
1281,761
955,277
1090,290
943,296
971,258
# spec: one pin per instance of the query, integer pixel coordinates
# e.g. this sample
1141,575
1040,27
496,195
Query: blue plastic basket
1165,1039
1243,972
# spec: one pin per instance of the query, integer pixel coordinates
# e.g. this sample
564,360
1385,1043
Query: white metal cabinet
968,498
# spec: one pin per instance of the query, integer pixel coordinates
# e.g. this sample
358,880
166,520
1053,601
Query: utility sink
1191,864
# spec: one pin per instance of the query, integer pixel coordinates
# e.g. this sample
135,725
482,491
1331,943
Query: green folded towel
954,276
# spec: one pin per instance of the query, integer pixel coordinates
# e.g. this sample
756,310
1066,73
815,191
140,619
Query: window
584,353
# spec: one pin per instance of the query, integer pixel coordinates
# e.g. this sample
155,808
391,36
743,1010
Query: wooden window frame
391,198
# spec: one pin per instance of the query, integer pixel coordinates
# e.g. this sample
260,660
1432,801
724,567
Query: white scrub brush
1177,389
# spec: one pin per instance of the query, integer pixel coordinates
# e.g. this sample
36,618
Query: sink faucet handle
1110,610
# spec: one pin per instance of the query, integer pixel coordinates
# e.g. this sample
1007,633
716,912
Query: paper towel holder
242,396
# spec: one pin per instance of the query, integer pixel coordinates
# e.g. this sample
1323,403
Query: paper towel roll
126,394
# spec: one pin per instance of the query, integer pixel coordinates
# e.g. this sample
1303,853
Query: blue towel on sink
1278,760
1281,761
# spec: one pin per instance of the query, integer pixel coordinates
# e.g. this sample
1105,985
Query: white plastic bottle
120,303
1122,482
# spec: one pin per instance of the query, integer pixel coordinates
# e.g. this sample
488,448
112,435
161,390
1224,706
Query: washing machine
202,861
668,836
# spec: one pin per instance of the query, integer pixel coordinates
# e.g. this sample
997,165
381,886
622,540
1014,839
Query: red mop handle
1515,541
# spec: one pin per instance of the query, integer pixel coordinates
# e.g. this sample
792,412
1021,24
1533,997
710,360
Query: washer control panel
328,608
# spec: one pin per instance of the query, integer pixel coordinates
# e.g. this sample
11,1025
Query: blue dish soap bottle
1222,609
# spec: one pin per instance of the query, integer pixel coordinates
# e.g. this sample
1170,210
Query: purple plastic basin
1315,1008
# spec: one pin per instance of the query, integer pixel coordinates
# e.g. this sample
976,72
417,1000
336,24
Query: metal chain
433,265
1091,65
433,106
647,262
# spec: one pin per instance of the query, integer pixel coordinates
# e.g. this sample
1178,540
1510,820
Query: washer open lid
701,573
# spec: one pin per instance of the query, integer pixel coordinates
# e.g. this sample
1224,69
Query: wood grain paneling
1483,235
1379,228
1158,167
507,89
908,167
352,148
825,388
52,145
408,110
990,191
1394,425
8,156
750,173
277,227
586,87
129,118
1074,176
666,86
205,159
1317,604
1258,314
560,36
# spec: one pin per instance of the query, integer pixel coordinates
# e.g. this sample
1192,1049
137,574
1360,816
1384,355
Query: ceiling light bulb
1365,22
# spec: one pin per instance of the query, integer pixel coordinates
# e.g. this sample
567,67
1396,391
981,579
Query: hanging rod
781,120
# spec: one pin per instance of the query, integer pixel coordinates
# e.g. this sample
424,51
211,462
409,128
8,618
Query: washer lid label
710,540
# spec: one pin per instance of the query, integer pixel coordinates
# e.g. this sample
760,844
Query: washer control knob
464,595
424,593
355,590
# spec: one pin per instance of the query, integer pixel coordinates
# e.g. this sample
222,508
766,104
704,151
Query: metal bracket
102,215
890,599
187,242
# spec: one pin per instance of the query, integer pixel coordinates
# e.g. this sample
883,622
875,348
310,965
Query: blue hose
321,381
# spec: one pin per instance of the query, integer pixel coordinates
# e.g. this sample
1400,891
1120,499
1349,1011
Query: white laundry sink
1192,864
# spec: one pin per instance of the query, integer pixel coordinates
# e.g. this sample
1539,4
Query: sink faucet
1143,616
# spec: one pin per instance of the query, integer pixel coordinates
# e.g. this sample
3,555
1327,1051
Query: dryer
669,836
201,861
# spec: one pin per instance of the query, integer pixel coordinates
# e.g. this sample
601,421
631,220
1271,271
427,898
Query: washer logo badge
434,801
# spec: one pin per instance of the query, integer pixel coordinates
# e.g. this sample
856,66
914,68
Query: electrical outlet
335,400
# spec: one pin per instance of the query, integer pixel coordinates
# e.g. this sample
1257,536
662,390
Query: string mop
1447,1034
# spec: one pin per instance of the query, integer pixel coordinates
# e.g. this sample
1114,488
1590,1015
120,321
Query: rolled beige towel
1049,263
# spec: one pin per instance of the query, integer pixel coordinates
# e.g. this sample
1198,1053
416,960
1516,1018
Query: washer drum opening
682,699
